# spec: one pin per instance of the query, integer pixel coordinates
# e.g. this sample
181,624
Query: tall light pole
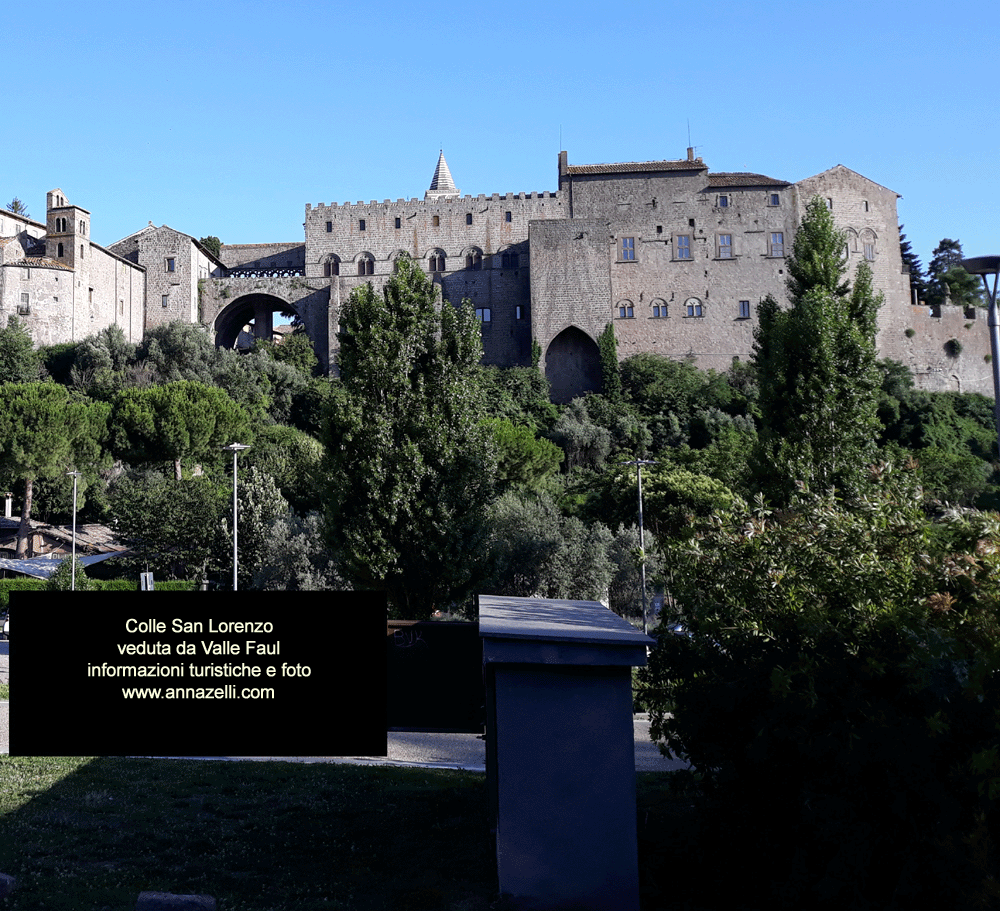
235,448
642,539
72,565
986,266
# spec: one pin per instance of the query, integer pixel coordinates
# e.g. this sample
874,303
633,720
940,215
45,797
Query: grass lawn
86,834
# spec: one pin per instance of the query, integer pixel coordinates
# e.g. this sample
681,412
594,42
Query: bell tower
67,237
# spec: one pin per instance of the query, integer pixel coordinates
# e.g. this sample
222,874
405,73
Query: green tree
816,365
212,244
62,579
948,281
411,467
912,263
175,422
610,372
176,527
45,430
18,207
19,361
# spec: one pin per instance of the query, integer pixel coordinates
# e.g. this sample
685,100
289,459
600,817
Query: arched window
437,261
59,251
331,266
474,259
366,264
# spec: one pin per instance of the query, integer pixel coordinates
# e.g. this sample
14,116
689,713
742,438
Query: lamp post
72,565
234,448
986,266
642,540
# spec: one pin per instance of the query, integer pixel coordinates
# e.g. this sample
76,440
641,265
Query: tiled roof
40,261
743,179
633,167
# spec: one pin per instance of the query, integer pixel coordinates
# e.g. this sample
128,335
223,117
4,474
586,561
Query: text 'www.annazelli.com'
197,692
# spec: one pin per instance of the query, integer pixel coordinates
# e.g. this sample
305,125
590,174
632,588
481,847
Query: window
626,310
506,216
164,299
59,251
659,309
436,263
366,265
829,203
509,260
725,246
870,252
484,314
171,264
723,202
329,227
361,224
90,295
628,249
81,251
693,306
24,308
744,309
777,245
331,267
518,312
682,246
399,222
474,259
774,200
436,221
468,218
866,205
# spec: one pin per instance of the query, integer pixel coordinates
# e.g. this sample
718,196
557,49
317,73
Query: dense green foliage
411,468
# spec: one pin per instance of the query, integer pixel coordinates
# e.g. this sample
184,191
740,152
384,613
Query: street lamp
72,569
642,541
234,448
986,266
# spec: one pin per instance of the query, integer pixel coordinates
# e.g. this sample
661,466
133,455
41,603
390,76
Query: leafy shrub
840,696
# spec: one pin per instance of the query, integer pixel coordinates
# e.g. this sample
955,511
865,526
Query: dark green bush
840,697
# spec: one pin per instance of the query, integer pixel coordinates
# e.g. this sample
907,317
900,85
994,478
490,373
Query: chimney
690,153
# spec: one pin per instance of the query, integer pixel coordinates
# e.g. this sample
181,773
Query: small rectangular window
436,221
329,227
468,218
744,309
399,222
829,203
506,216
361,224
171,264
870,252
628,249
626,312
509,260
693,306
725,246
777,245
518,312
163,299
683,246
484,314
723,202
775,200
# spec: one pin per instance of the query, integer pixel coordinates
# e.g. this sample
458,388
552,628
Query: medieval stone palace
674,255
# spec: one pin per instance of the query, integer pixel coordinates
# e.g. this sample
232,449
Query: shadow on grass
92,833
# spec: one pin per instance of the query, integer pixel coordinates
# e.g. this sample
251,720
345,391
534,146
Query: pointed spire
442,185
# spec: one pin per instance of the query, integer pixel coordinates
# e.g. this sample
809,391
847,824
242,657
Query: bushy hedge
110,585
839,695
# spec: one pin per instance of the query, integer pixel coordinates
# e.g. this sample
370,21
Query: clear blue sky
227,118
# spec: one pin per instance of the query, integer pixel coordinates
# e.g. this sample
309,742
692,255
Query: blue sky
227,118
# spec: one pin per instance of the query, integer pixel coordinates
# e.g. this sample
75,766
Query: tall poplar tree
816,361
411,468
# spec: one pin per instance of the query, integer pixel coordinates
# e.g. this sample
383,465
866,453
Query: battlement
430,203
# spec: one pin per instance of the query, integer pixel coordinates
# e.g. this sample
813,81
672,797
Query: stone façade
675,256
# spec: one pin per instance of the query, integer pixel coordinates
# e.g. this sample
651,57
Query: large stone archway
257,310
573,365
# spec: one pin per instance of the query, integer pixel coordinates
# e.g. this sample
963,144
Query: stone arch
573,365
331,266
365,263
473,257
255,311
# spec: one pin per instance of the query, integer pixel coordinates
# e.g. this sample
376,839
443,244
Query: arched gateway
257,310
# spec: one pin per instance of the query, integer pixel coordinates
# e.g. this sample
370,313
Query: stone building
61,284
675,256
